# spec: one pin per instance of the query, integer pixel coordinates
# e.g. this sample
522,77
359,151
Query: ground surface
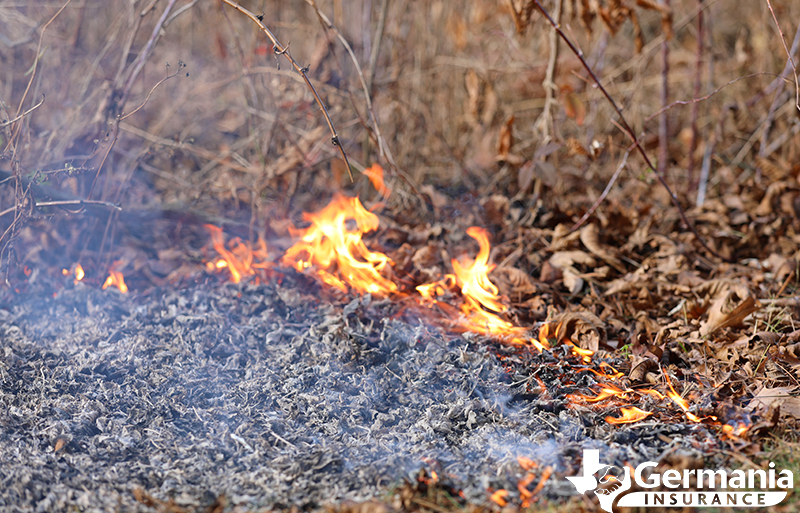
127,127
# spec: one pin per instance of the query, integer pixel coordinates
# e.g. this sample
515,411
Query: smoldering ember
517,256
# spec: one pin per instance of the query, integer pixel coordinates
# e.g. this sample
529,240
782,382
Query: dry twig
279,49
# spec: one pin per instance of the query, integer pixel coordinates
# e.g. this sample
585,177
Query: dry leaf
513,282
584,329
591,239
473,86
504,143
574,107
723,315
778,396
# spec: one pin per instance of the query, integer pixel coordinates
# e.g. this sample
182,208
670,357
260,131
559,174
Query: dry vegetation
191,118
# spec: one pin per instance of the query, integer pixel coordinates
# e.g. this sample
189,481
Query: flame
375,175
680,401
735,431
237,257
474,279
629,415
526,463
430,291
116,279
329,241
608,390
481,296
499,497
79,274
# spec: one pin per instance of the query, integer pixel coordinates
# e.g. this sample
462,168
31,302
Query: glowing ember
115,279
735,431
237,257
629,415
79,274
329,241
500,497
526,463
375,175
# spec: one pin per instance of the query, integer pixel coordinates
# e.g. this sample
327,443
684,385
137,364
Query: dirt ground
650,221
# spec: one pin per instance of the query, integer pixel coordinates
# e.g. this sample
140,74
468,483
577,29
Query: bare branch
279,49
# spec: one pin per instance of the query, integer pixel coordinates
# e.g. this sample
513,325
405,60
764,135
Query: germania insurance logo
695,487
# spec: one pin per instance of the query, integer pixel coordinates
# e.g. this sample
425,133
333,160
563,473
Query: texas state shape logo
607,481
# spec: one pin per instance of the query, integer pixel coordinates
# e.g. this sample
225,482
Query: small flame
328,241
474,278
629,415
735,431
116,279
680,401
237,257
481,296
79,274
526,463
608,390
375,175
500,498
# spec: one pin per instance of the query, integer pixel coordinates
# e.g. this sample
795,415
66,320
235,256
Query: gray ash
271,398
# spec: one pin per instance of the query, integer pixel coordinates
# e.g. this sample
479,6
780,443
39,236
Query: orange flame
328,241
237,257
629,415
474,279
608,390
735,431
375,175
500,498
480,295
79,274
116,279
680,401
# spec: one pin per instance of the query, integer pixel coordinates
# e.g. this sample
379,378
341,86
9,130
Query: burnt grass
266,397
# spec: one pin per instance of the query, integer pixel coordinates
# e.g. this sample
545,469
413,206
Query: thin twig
702,98
10,121
789,55
776,102
627,128
605,192
698,71
383,148
18,128
545,122
279,49
376,45
663,126
68,203
144,55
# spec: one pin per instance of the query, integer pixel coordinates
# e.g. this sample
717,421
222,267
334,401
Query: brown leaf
505,140
590,238
513,282
584,329
768,398
574,108
473,85
722,314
